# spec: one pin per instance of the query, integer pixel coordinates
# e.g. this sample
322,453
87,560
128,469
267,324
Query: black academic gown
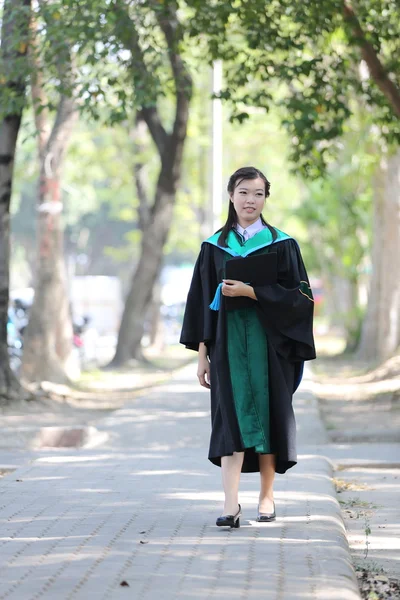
285,311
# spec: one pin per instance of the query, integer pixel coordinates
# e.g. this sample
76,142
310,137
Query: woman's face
248,199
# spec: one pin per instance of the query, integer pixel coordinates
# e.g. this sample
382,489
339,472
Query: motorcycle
14,344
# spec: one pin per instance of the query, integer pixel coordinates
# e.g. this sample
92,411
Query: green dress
248,364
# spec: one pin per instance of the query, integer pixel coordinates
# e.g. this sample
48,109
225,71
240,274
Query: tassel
216,303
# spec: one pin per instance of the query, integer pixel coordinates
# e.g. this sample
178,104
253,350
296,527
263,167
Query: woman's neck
246,224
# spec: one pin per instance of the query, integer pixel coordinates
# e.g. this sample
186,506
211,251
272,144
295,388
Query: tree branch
52,139
39,99
65,116
376,69
160,136
143,80
138,167
170,27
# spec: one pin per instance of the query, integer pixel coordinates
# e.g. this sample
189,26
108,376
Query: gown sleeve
286,308
199,322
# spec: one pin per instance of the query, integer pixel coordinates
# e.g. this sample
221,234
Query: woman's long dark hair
234,180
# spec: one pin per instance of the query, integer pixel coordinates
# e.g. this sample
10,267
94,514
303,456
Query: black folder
260,269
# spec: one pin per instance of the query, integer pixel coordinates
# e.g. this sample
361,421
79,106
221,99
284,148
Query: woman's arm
203,367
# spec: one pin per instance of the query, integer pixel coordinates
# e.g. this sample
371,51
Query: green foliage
311,50
120,54
14,70
120,60
337,208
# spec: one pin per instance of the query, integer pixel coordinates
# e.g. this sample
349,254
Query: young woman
251,357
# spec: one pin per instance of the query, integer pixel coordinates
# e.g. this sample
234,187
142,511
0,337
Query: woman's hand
203,372
234,288
203,367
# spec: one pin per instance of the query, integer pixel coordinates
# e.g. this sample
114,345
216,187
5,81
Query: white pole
217,185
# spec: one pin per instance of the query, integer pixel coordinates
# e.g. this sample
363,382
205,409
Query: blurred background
125,120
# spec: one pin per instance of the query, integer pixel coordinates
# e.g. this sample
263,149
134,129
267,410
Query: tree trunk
154,237
9,386
352,314
156,329
48,339
368,347
157,221
389,339
146,274
15,27
380,336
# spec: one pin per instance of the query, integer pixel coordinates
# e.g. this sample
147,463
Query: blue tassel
216,303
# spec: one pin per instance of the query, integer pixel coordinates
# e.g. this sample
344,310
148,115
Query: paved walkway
135,518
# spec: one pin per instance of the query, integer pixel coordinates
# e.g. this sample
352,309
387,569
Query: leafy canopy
312,49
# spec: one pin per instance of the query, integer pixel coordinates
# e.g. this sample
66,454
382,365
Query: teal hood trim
262,239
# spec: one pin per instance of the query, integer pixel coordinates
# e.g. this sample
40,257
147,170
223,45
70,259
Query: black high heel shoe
266,517
230,520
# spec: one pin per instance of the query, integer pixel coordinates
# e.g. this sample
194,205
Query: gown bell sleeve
199,321
286,308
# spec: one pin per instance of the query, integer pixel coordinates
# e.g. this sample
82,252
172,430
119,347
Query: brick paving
135,518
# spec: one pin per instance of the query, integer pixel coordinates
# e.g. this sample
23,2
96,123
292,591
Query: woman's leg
267,473
231,467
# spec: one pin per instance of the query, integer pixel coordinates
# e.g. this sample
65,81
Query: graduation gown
256,354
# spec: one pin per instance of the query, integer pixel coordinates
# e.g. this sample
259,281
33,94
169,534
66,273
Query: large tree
48,338
13,80
155,215
324,55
